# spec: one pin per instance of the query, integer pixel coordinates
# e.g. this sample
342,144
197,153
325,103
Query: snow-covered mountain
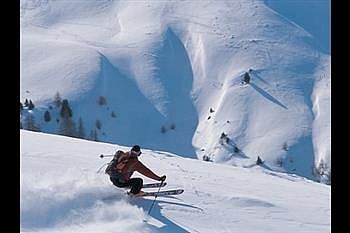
167,75
62,191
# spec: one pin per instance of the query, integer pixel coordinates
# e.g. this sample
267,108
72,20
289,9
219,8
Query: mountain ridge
162,66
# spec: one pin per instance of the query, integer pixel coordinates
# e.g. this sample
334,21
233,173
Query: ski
154,185
163,193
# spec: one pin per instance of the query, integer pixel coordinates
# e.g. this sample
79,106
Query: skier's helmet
136,149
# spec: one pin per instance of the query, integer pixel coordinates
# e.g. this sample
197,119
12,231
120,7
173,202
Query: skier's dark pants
134,183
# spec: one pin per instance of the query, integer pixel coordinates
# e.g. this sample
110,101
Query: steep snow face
321,125
79,72
171,73
313,16
62,191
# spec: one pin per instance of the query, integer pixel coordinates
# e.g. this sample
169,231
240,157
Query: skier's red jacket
128,163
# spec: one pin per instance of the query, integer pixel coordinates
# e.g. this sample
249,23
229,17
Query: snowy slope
161,65
61,191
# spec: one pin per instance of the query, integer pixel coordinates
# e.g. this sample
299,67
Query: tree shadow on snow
256,75
267,95
263,165
230,146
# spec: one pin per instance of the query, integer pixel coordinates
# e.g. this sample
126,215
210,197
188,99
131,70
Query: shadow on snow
169,226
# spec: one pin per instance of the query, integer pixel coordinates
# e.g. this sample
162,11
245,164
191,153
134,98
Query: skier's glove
162,178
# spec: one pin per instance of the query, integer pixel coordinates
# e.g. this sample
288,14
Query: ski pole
102,155
155,198
98,171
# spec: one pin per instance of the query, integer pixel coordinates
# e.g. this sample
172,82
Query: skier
126,165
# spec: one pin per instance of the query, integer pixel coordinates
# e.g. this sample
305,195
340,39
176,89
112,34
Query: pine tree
31,105
323,172
163,129
259,161
93,135
66,111
81,131
279,161
101,100
223,135
206,158
246,78
47,116
67,125
30,123
26,103
98,124
223,138
57,100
